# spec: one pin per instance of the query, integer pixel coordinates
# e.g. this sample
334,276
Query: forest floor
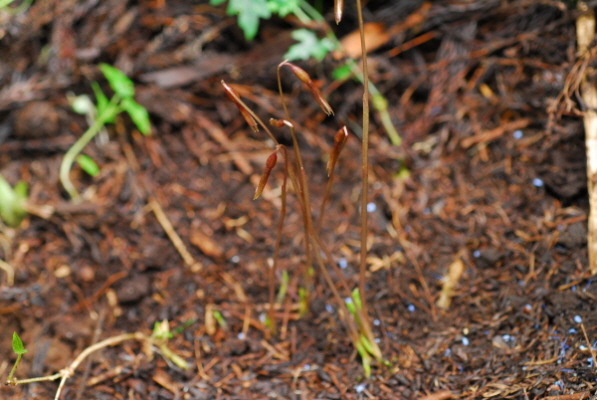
490,176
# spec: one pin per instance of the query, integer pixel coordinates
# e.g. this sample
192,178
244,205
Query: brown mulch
495,179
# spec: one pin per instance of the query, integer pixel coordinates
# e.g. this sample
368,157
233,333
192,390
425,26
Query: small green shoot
12,211
19,349
161,330
160,336
104,111
179,329
220,319
364,346
283,287
303,301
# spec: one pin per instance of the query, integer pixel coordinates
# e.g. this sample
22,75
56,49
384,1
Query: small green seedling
12,211
364,347
19,349
104,111
160,336
220,319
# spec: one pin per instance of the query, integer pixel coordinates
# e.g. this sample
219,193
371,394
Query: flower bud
269,165
232,95
340,139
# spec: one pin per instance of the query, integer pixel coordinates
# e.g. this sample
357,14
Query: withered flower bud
340,139
232,95
269,165
304,77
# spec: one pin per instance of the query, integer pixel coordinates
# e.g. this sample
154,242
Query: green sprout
19,349
12,201
220,319
104,111
364,347
283,287
160,336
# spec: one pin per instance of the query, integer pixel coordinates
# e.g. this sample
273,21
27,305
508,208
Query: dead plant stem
364,168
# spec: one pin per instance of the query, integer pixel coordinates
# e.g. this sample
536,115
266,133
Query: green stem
111,110
14,368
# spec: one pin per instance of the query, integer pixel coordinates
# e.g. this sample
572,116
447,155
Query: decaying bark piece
585,32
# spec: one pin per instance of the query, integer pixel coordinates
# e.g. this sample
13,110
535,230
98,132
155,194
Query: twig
174,238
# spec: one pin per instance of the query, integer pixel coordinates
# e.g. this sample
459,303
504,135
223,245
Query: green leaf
308,46
365,358
350,306
138,114
342,73
161,330
249,12
283,7
17,344
11,203
356,297
119,82
88,165
220,319
216,2
101,100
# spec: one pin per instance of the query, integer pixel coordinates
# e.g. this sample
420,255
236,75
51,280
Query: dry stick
592,351
174,238
585,32
10,272
162,218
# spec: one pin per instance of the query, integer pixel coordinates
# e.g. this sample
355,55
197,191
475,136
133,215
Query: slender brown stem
274,267
302,188
364,167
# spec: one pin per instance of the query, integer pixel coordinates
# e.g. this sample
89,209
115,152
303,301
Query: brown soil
496,179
